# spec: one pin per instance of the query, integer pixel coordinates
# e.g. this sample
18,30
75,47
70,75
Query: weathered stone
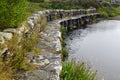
22,29
58,46
36,75
10,30
2,41
50,55
40,57
7,36
31,24
41,63
54,66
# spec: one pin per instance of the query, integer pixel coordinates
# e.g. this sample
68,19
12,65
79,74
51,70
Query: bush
74,71
12,12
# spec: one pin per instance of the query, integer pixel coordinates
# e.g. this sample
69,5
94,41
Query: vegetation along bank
33,46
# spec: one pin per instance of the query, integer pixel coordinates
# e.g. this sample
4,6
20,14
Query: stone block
7,36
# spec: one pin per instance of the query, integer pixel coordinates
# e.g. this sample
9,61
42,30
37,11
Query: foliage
76,71
58,6
16,60
64,52
6,71
63,31
33,7
29,43
88,3
109,12
12,12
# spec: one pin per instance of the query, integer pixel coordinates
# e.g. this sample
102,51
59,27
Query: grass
109,12
106,11
63,32
76,71
33,7
64,52
16,60
45,5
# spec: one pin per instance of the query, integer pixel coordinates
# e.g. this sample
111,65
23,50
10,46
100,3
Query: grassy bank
13,13
105,11
109,12
76,71
16,60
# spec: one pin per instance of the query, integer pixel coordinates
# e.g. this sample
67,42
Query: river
99,46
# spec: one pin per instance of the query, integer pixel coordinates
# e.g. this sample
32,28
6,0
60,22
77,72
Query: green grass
44,5
64,32
12,13
33,7
76,71
58,6
109,12
17,61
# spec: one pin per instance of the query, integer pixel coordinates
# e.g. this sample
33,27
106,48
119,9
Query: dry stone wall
48,62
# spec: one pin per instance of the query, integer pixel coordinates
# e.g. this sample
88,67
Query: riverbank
97,45
46,56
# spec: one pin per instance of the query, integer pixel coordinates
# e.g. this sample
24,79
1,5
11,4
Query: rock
22,29
36,75
7,36
41,63
58,34
10,30
50,55
2,41
31,24
54,66
40,57
39,12
58,46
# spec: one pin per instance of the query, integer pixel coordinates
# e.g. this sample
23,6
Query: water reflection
99,45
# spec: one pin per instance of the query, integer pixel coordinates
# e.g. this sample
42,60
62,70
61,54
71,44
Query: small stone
31,24
40,57
43,62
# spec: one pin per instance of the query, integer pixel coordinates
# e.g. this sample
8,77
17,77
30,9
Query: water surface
98,45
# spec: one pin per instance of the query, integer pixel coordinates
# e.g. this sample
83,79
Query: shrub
12,12
74,71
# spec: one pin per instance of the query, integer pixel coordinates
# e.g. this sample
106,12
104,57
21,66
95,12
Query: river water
99,46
